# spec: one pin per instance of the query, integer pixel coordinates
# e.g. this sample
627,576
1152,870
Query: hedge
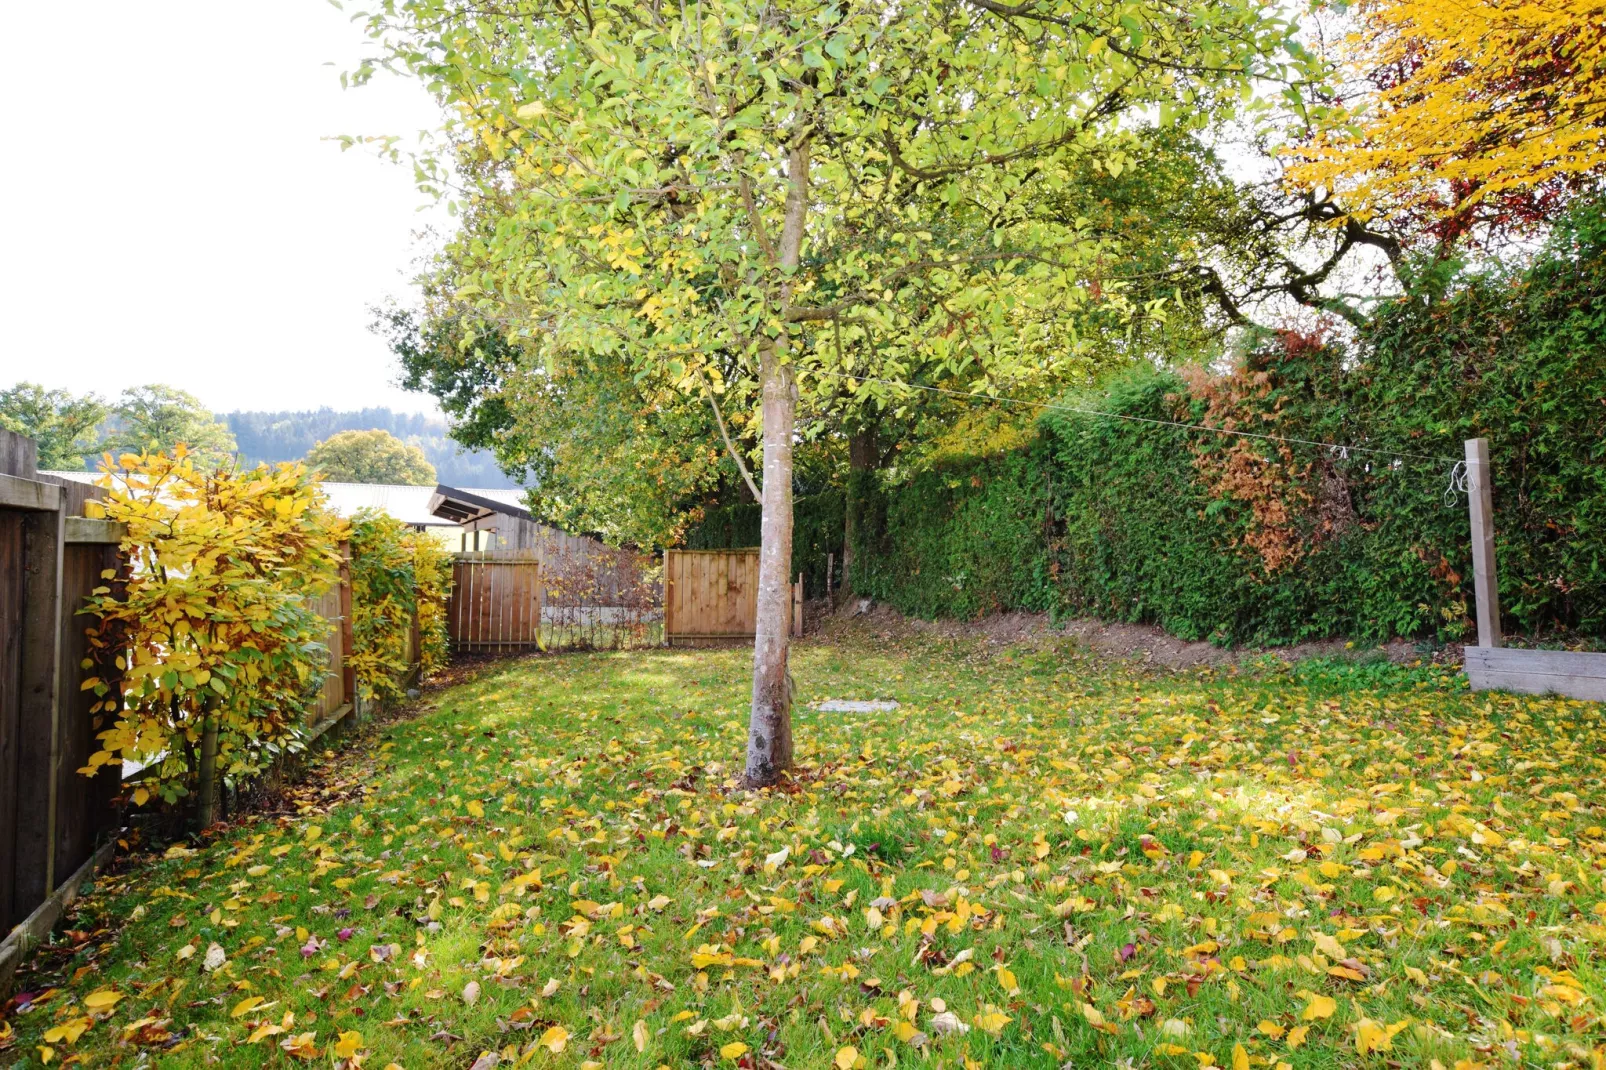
1233,539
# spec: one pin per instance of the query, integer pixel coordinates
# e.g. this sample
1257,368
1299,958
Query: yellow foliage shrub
210,618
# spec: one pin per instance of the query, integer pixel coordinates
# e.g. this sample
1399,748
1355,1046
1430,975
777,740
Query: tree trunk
862,457
769,727
769,733
206,799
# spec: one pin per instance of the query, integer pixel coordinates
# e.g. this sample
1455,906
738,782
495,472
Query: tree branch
724,432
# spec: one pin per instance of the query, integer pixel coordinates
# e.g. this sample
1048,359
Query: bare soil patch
1139,642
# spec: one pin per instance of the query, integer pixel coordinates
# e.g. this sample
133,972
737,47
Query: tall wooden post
1480,501
348,675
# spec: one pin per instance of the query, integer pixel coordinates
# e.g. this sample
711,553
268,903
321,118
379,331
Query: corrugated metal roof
410,505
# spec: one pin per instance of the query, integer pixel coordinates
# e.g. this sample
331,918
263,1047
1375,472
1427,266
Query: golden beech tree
209,625
1478,111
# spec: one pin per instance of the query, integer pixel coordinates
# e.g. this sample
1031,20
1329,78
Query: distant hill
287,436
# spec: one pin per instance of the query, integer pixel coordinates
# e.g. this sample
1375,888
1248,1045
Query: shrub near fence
399,580
213,622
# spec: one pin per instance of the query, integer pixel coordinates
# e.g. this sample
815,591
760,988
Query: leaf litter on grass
1037,859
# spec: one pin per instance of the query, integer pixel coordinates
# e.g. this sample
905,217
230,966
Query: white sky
170,213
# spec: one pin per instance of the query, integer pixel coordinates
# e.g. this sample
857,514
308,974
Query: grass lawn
1040,859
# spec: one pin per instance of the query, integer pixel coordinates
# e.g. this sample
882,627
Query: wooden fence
1491,665
591,597
712,595
57,825
52,819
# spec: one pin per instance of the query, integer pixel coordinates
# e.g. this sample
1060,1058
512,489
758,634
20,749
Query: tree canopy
373,456
752,200
64,426
155,418
1484,111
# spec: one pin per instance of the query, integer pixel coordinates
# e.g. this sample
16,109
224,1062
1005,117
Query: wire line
1335,447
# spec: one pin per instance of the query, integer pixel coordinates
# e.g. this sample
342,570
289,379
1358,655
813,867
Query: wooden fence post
669,628
1480,502
830,567
348,675
797,607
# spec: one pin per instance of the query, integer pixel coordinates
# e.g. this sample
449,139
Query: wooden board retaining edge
1575,674
81,530
30,494
33,930
330,721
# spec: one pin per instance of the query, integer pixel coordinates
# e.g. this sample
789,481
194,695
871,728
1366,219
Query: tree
65,428
370,457
156,418
734,195
1482,112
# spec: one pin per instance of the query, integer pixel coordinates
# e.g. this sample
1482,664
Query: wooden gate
713,595
496,602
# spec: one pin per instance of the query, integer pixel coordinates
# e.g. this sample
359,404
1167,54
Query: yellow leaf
246,1006
266,1029
1006,979
992,1021
475,808
69,1030
1318,1007
1330,947
1296,1035
1370,1037
103,998
1240,1058
846,1058
640,1035
1271,1029
733,1051
554,1039
348,1045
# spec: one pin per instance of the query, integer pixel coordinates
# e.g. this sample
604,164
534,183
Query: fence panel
11,573
569,594
332,695
496,601
710,594
85,806
51,558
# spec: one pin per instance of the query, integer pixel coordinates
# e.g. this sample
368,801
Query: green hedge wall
1113,518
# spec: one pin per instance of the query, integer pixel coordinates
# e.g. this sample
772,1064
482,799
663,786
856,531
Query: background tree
65,427
155,418
1484,112
716,192
370,457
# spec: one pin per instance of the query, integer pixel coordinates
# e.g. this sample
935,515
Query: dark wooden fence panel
85,806
11,575
51,817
